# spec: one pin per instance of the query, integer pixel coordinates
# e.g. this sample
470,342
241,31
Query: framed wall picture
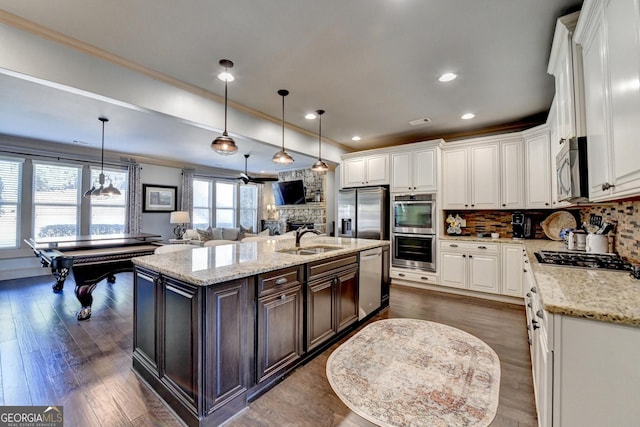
159,198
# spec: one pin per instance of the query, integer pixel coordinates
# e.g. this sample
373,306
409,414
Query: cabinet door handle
283,297
453,245
529,305
470,256
534,290
526,261
281,281
424,278
482,247
401,274
539,313
464,256
524,270
607,186
528,294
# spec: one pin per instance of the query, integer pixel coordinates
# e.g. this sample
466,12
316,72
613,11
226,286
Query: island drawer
320,268
278,280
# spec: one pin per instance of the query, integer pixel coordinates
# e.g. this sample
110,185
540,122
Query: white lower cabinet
474,266
513,263
585,372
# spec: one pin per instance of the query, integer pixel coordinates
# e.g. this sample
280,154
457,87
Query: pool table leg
83,293
60,268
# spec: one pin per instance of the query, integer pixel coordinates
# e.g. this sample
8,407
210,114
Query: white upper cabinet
415,170
565,63
555,146
455,181
609,32
538,175
471,177
485,176
367,170
512,174
485,173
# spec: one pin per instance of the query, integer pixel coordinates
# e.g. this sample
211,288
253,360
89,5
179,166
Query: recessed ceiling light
447,77
468,116
310,116
356,138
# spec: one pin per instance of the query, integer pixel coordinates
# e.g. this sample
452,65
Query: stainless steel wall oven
414,240
414,251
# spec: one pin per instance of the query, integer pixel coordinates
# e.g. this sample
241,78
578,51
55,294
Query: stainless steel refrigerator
363,213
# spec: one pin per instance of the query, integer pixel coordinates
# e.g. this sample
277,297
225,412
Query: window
234,204
56,199
249,206
225,205
108,215
10,190
202,206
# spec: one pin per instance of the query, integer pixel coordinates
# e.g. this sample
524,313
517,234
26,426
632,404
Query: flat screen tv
289,192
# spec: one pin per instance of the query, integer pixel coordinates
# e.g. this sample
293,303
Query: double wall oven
413,231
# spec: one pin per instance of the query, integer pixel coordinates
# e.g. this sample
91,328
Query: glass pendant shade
101,192
282,157
224,144
320,165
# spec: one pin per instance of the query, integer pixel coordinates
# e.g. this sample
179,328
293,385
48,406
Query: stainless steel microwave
572,179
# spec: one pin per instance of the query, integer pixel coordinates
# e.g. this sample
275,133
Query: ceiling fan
257,180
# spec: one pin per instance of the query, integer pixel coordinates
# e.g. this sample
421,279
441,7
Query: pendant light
320,165
282,157
224,144
101,192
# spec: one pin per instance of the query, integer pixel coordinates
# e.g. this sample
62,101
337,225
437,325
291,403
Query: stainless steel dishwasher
370,281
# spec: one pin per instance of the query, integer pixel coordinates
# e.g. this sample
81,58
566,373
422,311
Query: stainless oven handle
413,202
564,188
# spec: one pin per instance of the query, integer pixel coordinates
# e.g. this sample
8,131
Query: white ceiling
371,64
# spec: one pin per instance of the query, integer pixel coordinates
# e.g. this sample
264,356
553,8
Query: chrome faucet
301,232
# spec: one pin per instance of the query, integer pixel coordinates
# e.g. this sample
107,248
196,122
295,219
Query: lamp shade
179,217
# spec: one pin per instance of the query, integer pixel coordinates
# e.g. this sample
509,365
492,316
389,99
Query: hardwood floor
47,357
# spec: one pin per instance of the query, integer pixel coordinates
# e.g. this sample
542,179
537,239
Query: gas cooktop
584,260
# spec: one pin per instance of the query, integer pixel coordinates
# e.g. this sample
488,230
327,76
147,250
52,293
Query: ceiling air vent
421,121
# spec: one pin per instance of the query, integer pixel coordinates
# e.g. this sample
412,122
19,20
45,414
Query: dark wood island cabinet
213,331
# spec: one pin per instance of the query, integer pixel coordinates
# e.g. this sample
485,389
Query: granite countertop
607,295
205,266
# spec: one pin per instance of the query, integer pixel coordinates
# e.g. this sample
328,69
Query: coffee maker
521,226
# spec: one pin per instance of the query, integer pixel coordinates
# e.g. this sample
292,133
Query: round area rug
407,372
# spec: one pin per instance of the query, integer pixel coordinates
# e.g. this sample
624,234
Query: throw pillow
230,233
245,232
205,235
218,233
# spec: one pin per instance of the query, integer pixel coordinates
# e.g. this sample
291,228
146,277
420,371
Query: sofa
198,236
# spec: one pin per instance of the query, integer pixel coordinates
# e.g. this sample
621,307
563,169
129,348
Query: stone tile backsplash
626,215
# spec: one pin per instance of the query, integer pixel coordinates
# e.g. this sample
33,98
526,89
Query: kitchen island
214,327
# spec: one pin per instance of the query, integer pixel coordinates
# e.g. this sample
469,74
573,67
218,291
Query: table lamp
181,218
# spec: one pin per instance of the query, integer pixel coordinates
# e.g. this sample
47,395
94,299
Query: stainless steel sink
310,250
